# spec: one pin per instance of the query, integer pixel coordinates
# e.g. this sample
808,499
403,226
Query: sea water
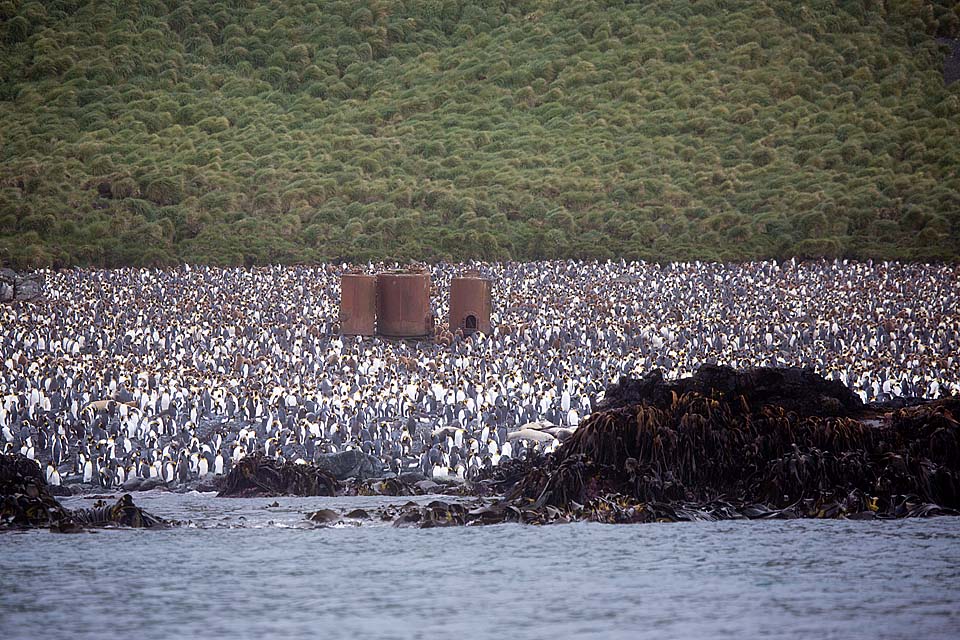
242,568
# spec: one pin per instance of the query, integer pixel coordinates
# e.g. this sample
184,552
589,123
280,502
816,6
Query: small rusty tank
358,304
403,304
471,301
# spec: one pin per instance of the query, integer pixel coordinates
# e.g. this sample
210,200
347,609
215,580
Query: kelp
259,475
728,444
26,502
25,498
699,449
122,513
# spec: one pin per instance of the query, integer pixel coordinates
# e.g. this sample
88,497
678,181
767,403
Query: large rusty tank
358,304
403,304
471,302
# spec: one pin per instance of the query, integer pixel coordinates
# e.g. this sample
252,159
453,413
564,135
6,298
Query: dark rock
756,444
754,437
26,501
799,390
149,484
66,526
435,514
389,487
324,516
427,486
897,403
29,288
409,518
504,476
123,513
14,286
268,477
6,288
350,464
208,486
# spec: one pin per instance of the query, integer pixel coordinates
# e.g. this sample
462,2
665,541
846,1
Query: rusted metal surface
403,304
358,304
471,302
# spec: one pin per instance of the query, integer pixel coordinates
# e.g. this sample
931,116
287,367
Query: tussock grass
309,130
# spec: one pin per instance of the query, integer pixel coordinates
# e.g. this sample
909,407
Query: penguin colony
178,374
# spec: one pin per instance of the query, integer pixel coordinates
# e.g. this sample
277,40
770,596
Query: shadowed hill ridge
150,132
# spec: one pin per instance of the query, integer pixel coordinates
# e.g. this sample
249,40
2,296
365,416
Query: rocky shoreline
723,444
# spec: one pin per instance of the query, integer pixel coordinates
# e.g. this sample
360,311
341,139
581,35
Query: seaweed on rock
25,499
738,449
123,513
26,502
728,444
265,476
793,388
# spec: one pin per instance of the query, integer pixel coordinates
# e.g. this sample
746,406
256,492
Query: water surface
246,570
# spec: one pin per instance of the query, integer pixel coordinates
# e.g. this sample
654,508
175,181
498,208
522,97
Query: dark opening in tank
470,323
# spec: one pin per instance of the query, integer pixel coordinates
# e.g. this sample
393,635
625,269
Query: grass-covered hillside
149,132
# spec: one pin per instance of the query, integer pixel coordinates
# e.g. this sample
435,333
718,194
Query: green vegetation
144,132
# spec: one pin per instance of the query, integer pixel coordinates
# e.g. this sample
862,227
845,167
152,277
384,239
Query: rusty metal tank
403,304
358,304
471,301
